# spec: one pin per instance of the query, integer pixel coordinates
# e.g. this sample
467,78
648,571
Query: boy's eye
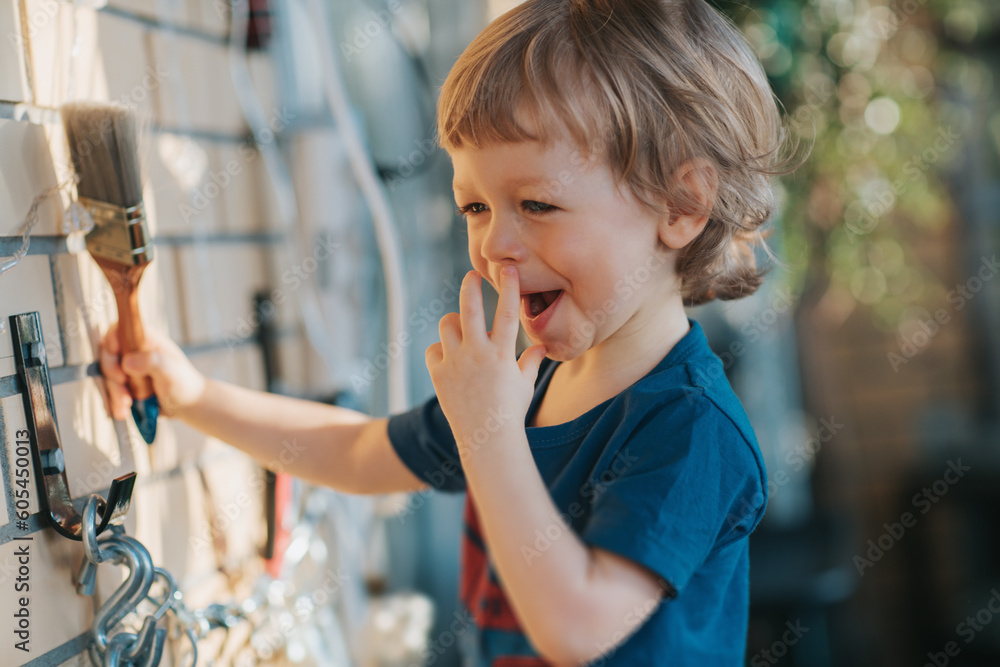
536,206
469,209
529,205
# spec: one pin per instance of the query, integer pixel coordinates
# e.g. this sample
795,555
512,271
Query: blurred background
306,243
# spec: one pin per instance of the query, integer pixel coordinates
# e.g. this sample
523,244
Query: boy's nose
502,243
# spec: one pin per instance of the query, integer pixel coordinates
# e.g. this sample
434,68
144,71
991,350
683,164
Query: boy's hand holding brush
102,146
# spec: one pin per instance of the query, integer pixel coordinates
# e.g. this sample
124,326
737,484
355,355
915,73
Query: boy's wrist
200,389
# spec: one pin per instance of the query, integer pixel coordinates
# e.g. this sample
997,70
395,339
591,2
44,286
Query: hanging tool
102,146
46,448
278,489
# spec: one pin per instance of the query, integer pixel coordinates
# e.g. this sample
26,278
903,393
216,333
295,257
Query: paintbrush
102,147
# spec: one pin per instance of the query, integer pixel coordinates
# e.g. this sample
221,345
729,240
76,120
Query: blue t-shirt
666,473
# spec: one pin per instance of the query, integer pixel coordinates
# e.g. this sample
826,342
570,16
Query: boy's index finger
470,307
506,320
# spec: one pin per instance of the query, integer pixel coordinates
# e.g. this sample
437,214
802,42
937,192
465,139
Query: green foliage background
882,92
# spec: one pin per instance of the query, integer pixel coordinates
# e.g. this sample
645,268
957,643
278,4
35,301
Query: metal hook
130,552
147,647
46,448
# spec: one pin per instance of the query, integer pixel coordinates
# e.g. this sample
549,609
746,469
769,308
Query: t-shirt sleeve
685,482
423,440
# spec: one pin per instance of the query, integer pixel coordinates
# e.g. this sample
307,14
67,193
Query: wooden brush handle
131,335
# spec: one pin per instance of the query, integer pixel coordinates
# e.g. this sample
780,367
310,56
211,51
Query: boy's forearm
306,439
550,589
573,601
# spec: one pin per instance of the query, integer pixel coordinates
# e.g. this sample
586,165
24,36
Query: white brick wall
202,179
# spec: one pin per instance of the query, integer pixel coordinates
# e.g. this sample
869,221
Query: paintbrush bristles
102,146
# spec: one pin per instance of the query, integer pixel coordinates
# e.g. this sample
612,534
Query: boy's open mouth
536,302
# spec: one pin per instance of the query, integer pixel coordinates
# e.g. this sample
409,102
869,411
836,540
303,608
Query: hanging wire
81,221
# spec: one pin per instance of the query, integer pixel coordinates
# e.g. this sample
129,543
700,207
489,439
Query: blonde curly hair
647,85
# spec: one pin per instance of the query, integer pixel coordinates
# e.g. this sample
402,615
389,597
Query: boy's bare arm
323,444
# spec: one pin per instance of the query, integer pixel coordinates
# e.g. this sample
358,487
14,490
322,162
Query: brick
236,487
235,177
249,362
129,76
13,75
198,91
167,309
177,171
34,293
218,290
85,303
26,170
212,16
57,76
90,440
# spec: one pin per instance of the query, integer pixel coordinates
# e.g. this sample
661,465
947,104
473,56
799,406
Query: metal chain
142,649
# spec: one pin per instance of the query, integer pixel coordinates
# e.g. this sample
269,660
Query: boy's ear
701,180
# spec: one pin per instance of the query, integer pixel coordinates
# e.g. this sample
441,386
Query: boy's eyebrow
514,182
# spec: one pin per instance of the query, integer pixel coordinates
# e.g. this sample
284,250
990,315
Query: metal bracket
46,449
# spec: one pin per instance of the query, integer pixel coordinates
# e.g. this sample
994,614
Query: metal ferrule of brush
119,234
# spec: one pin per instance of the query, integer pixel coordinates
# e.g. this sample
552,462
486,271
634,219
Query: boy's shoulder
692,371
690,386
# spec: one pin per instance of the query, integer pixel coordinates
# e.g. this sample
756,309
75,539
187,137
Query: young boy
612,160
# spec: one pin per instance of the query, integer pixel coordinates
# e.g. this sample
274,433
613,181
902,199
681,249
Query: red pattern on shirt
484,599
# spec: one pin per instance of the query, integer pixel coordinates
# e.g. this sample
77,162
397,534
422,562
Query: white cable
378,203
256,117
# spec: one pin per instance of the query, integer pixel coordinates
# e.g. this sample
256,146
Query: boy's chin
558,352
